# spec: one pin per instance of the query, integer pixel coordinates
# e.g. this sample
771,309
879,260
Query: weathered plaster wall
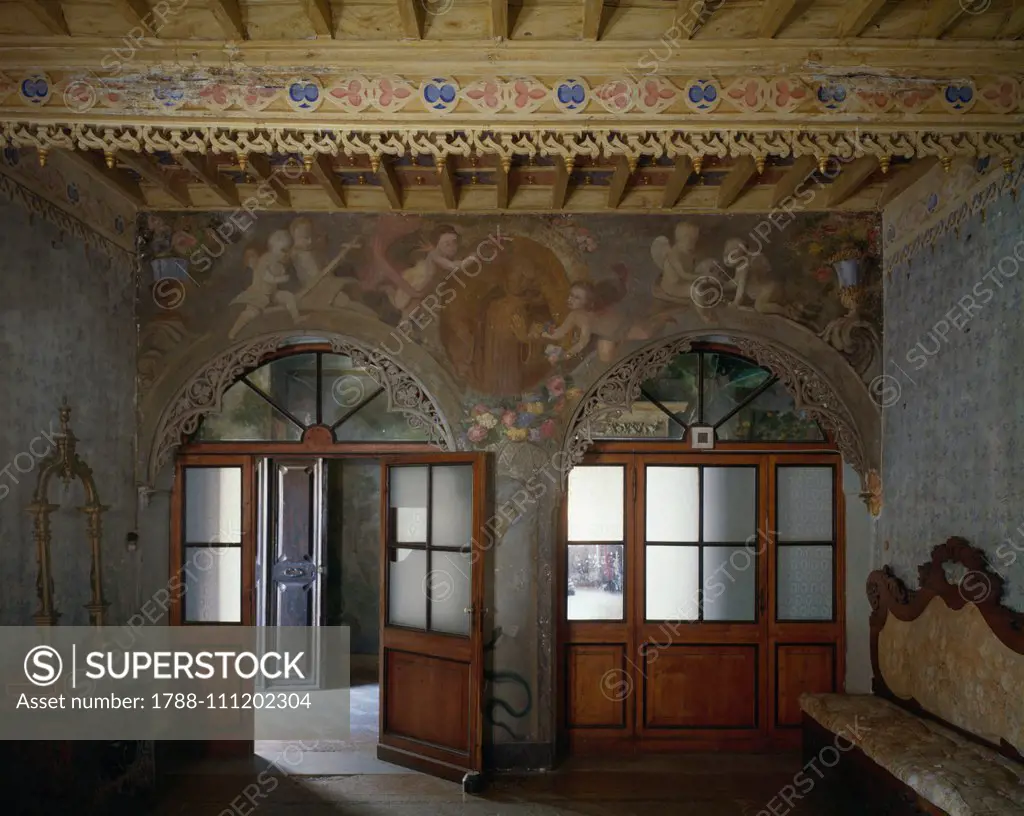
68,328
953,387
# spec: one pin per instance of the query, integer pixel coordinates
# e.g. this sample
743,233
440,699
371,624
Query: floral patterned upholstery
953,773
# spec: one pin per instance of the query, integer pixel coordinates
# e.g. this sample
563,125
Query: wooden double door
249,540
702,596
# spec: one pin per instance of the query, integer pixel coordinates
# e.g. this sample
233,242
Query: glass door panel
596,574
805,542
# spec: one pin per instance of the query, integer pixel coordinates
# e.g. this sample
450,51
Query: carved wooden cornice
565,142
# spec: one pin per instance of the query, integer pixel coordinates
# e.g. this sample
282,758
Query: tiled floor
695,785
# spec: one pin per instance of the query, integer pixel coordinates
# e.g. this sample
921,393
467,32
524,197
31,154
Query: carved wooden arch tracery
616,391
203,392
65,462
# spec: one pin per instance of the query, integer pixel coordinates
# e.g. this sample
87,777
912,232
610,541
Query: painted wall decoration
522,312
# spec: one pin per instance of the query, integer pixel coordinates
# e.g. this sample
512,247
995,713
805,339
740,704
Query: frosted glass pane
409,499
452,506
805,503
673,583
730,584
213,584
407,583
730,503
213,505
596,503
805,583
449,584
673,504
595,582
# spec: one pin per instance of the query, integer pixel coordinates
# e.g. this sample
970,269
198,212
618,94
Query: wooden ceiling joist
139,14
592,11
113,178
411,14
1013,28
390,183
736,181
620,178
851,178
320,16
858,14
677,182
323,171
503,184
790,181
154,174
229,18
50,14
204,168
904,178
560,189
941,16
499,19
259,168
446,180
692,16
773,17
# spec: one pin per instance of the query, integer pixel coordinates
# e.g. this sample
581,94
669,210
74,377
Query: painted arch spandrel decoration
521,313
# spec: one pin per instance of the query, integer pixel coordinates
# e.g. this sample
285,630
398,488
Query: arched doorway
313,497
701,568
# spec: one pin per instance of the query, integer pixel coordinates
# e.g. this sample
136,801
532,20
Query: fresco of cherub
677,262
596,313
321,288
268,273
755,281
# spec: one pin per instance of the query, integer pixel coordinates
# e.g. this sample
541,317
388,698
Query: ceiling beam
560,189
113,178
323,171
852,177
773,17
155,175
677,182
940,18
229,17
1014,27
691,16
734,183
503,182
620,178
797,172
50,14
447,181
905,179
139,14
320,17
499,19
259,167
592,10
411,12
389,183
205,169
858,14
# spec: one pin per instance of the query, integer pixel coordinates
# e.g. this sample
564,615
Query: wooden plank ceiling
880,42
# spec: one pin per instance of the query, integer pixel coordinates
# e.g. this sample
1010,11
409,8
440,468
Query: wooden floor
706,785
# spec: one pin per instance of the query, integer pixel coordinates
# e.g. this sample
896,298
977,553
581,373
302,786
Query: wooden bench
944,730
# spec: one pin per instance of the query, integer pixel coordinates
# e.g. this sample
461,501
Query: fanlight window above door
740,400
278,401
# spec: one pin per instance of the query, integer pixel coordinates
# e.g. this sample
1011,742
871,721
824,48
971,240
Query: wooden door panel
600,685
413,679
801,667
701,687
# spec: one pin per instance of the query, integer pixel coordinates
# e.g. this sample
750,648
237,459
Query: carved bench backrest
950,648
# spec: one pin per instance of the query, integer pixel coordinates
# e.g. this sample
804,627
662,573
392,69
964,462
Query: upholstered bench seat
953,773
